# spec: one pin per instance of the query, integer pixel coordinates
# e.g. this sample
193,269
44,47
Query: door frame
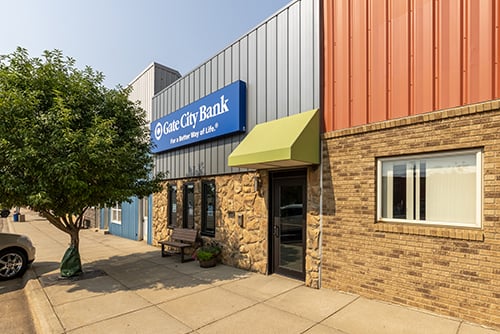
280,176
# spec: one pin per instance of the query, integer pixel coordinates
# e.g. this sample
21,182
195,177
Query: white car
16,254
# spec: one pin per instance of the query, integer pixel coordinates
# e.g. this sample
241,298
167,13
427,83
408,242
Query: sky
120,38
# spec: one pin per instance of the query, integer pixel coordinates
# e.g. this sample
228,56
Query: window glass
436,189
208,208
188,217
172,205
116,213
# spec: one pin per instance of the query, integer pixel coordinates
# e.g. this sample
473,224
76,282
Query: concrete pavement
128,287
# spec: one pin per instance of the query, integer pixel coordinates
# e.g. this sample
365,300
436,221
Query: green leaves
66,141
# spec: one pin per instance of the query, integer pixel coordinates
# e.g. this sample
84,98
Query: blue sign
218,114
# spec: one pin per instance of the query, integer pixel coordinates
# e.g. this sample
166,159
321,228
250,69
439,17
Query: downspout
320,215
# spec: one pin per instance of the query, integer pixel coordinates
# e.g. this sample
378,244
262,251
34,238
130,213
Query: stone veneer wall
452,271
244,246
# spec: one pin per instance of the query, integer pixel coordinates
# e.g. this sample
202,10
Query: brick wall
452,271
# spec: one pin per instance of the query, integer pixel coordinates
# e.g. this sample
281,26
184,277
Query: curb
44,318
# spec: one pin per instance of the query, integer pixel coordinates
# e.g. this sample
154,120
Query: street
16,315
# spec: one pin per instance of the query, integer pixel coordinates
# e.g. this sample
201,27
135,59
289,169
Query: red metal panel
422,49
480,50
399,59
328,101
377,63
449,71
341,64
358,63
496,46
386,59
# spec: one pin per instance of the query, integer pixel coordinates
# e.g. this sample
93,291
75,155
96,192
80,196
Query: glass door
288,226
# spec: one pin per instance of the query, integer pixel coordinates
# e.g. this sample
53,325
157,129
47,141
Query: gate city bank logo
191,119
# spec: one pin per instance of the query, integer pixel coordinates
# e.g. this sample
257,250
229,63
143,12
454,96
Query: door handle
276,231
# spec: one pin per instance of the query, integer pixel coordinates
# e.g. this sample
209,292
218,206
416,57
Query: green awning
285,142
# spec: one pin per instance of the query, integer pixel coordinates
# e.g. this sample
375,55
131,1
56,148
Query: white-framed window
439,188
116,213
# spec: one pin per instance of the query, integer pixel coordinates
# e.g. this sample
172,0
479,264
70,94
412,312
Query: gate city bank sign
218,114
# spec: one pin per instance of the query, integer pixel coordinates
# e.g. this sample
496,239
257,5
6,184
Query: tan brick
446,270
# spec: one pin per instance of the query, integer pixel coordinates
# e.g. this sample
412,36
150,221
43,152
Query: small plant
207,254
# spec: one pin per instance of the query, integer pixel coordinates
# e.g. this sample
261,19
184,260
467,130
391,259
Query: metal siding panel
340,60
228,66
271,72
191,161
215,74
328,64
260,84
422,51
244,61
294,59
235,62
214,158
317,53
208,78
306,56
282,64
221,69
185,91
251,81
358,64
399,59
449,68
221,155
480,51
496,49
196,84
191,87
202,81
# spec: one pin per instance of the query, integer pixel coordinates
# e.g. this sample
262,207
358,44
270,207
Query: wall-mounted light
257,183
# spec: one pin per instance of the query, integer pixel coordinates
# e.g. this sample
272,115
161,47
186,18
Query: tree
67,143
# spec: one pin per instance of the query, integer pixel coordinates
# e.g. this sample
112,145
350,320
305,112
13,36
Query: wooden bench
180,238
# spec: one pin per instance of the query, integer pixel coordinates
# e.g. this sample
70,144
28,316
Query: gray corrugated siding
151,81
278,60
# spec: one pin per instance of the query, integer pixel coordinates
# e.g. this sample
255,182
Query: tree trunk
71,264
75,239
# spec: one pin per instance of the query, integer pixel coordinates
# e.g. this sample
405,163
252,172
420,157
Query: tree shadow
12,285
137,271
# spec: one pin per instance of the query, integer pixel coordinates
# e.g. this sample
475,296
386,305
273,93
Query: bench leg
163,251
182,256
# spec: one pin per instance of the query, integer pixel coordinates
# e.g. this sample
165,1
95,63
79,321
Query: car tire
13,263
4,213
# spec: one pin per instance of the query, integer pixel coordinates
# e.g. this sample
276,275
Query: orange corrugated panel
358,63
328,78
399,59
449,54
377,61
480,50
422,49
496,43
387,59
341,64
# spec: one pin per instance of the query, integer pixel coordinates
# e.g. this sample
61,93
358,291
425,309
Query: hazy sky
122,37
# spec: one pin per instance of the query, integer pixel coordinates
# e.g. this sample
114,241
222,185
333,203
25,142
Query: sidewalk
129,288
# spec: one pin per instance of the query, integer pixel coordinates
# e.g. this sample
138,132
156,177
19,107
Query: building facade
353,145
411,141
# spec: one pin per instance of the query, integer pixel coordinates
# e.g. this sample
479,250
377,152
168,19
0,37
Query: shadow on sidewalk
136,271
